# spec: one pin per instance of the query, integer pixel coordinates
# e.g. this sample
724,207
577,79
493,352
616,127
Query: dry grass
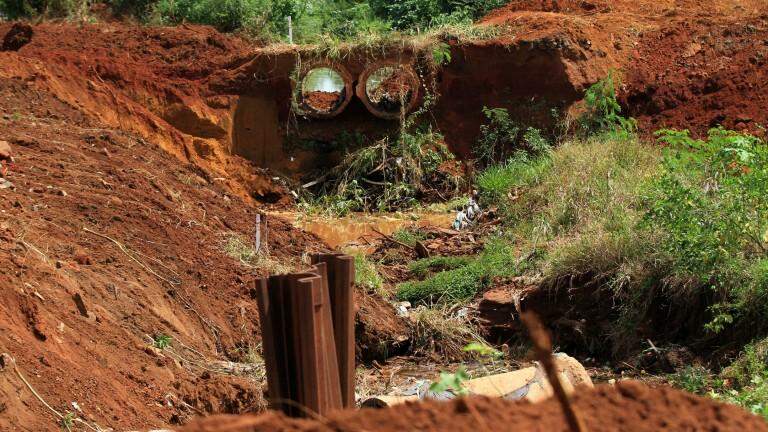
235,246
441,330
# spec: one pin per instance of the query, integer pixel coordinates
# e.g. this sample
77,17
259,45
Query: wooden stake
257,244
543,346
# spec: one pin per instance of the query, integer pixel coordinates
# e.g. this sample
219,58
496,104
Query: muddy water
355,228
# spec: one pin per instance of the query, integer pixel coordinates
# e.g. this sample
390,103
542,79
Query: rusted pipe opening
325,90
389,89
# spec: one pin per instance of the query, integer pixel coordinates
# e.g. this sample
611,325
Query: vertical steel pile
307,325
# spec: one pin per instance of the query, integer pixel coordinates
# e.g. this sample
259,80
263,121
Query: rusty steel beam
341,279
307,324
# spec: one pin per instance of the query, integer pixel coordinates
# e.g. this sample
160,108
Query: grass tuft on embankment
679,230
467,278
685,226
426,266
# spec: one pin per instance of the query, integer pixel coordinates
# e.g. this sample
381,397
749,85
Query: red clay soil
627,407
685,63
322,101
105,241
710,72
150,81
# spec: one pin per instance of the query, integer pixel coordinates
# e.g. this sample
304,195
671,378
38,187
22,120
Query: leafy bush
501,138
693,379
451,382
162,341
15,9
337,19
496,136
603,112
313,20
225,15
711,204
441,54
743,383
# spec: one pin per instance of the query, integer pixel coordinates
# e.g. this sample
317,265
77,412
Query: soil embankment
629,407
690,64
108,240
148,81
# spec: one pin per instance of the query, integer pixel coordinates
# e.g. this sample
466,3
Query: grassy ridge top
312,21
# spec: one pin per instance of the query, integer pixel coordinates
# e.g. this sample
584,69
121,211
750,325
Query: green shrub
693,379
162,341
753,398
711,204
751,363
15,9
745,381
412,14
225,15
496,137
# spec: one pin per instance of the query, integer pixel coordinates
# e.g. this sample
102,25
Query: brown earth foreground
629,407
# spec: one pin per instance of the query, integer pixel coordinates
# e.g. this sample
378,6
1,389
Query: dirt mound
322,101
629,407
379,332
105,242
686,63
562,6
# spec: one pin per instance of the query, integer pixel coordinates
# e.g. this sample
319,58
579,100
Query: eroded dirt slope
106,216
685,63
150,81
